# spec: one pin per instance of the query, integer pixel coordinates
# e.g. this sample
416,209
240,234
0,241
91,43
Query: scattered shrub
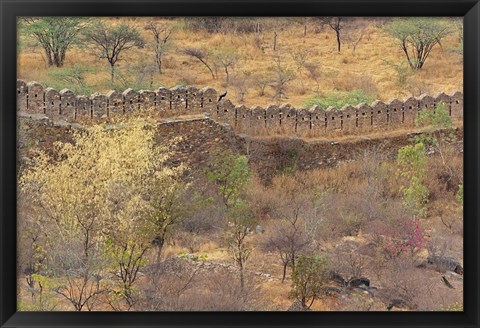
338,99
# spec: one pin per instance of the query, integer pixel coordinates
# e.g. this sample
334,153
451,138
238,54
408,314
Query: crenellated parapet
33,98
64,105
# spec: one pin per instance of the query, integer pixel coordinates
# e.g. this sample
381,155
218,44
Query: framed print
239,163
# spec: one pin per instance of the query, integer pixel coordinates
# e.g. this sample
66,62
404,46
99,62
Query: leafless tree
240,84
282,75
200,55
288,237
226,59
354,31
314,73
288,240
261,82
112,41
167,284
336,24
161,36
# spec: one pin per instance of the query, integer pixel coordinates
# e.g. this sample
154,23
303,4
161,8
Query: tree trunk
112,72
226,72
338,39
284,271
275,40
242,280
49,58
56,59
209,68
158,61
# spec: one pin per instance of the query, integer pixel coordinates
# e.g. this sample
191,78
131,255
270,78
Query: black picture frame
9,10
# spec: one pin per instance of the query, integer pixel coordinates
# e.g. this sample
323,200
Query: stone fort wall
64,105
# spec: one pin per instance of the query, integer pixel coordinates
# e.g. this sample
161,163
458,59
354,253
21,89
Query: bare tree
112,41
278,25
227,59
200,55
288,240
300,56
289,204
336,24
168,282
241,221
354,32
346,261
161,38
313,72
282,75
261,82
240,84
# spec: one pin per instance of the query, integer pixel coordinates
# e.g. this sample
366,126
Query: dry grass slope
368,68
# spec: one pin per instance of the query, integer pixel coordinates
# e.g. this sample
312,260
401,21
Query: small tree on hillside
412,162
288,238
309,278
230,173
112,41
314,73
439,135
201,56
417,37
336,24
55,35
161,37
354,32
226,59
241,220
281,76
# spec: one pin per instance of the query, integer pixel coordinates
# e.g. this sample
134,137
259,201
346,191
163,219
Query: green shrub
309,279
71,77
412,162
338,99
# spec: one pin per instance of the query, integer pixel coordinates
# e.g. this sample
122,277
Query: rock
357,282
445,263
337,278
454,275
259,229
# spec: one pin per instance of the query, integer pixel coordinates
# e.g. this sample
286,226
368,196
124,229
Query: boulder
445,263
357,282
337,278
259,229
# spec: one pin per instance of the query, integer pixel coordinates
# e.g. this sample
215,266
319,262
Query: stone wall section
64,105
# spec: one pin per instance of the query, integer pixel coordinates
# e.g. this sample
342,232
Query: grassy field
373,68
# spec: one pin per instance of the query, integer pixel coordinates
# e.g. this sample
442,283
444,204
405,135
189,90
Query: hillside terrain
376,69
185,211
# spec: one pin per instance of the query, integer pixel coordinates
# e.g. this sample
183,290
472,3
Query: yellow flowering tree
95,193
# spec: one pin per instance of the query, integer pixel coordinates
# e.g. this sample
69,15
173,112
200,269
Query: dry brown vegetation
114,221
375,67
351,212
